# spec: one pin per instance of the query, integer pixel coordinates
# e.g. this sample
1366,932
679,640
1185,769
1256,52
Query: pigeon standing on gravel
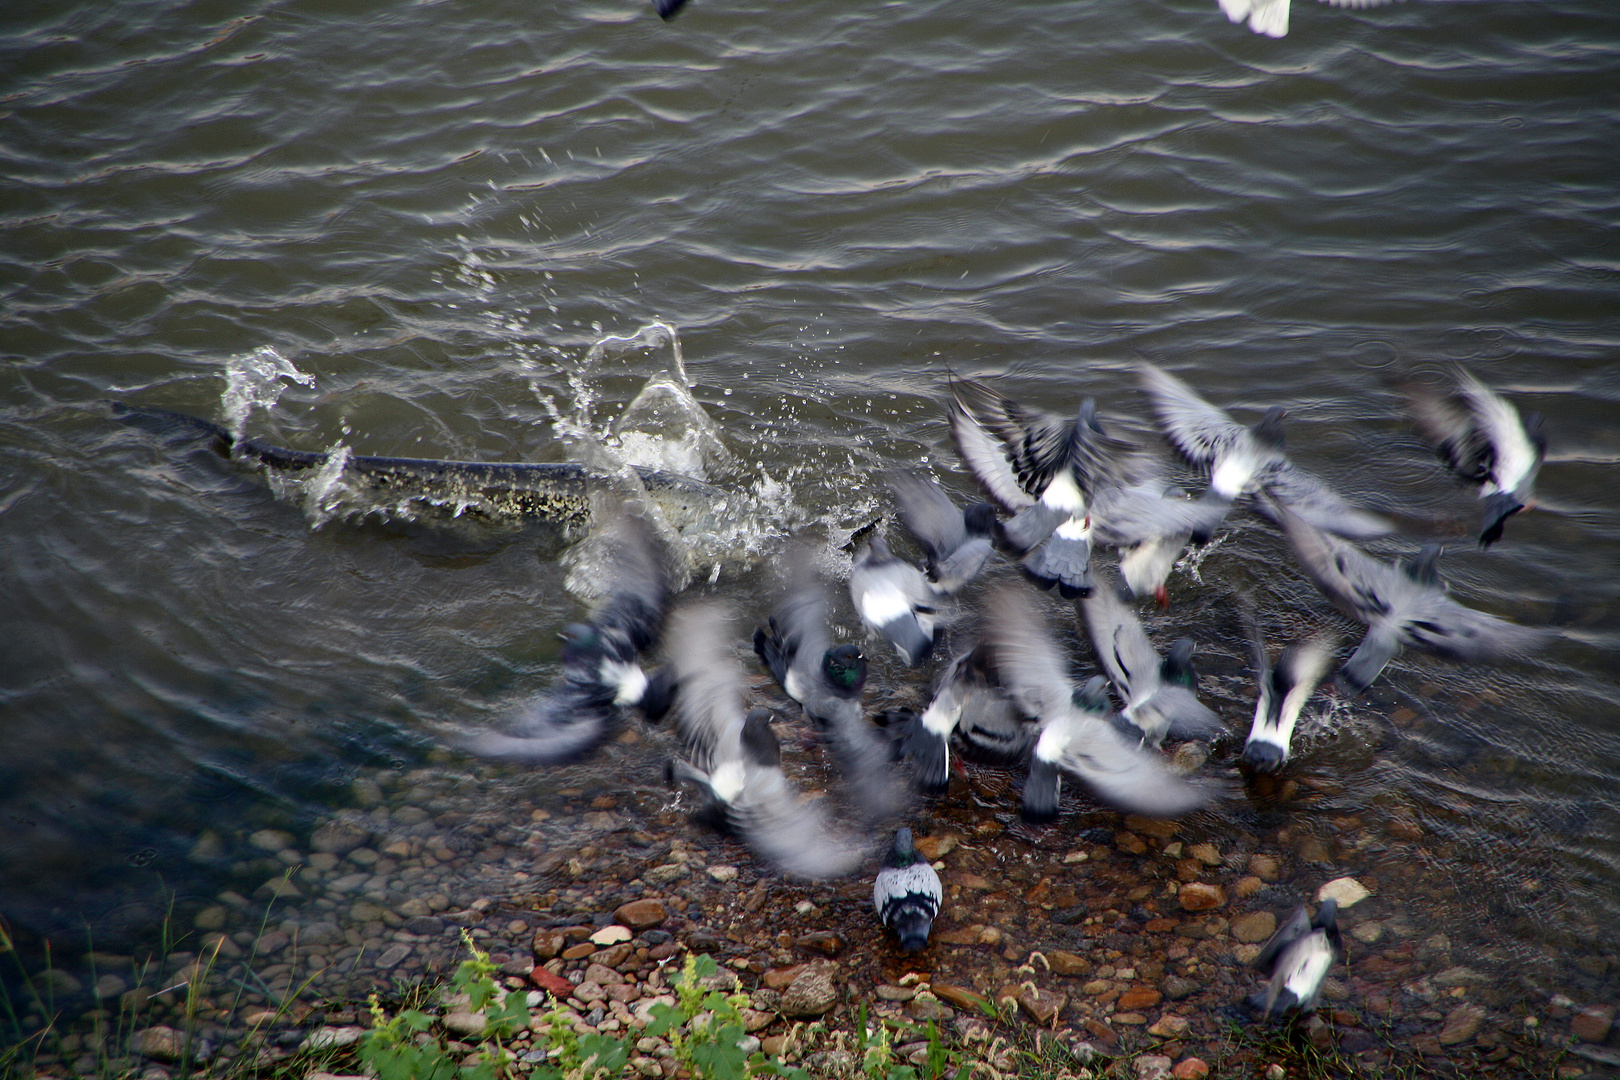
1481,438
1297,959
601,674
907,894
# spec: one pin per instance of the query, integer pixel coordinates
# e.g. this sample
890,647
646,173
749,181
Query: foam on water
255,379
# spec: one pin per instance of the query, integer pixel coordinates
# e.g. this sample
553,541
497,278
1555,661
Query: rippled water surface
434,211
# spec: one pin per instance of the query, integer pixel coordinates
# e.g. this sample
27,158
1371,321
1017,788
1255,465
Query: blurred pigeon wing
1031,667
1132,780
930,515
709,706
1188,717
1295,927
790,831
987,461
1036,443
1197,429
560,726
1122,645
1314,502
1516,457
639,585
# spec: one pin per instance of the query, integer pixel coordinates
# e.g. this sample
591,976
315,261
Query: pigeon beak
1162,595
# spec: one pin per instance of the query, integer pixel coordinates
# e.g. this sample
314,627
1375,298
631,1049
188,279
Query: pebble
1152,1067
725,875
813,993
1264,867
613,935
1368,933
1043,1006
1190,1069
324,1038
1200,896
271,840
338,837
639,915
1066,963
1592,1023
158,1041
1346,890
1254,927
1462,1023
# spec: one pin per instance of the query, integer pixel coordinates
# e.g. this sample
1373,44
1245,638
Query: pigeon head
1498,508
1327,916
580,641
905,852
759,743
1263,757
845,669
1093,696
1178,665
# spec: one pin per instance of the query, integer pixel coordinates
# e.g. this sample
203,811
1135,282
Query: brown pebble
1066,963
961,997
822,941
1042,1006
782,978
1247,886
1130,843
547,944
663,952
1155,827
1208,854
1264,867
1461,1024
1139,997
934,848
1200,896
579,951
641,914
1592,1023
1255,926
1190,1069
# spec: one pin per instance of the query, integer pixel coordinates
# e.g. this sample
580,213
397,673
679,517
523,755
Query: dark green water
436,209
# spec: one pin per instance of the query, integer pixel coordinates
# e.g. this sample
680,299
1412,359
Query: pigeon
1158,694
1150,522
1040,468
1243,460
735,757
907,894
1297,959
1483,440
601,671
1270,17
1402,606
1284,689
827,682
894,599
964,694
1075,735
957,543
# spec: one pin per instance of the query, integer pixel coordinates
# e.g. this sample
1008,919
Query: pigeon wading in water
894,599
1284,689
602,674
907,893
1297,959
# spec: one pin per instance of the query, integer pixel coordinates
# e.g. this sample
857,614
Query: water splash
254,379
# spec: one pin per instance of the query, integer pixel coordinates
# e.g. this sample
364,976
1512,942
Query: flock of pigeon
1007,698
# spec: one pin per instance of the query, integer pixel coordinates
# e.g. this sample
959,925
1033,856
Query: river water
432,212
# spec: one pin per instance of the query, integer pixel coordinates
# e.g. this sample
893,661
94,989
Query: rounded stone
338,837
1254,927
1346,890
811,994
1201,896
641,914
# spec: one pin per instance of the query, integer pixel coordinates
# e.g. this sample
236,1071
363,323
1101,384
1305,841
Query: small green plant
399,1047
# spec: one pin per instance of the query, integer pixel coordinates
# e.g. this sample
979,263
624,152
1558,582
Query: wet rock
1462,1023
934,848
1368,933
641,914
552,983
270,942
1200,896
211,917
1254,927
110,986
812,993
60,983
1176,987
725,875
579,951
1042,1006
1130,843
1208,854
1066,963
1170,1027
465,1022
392,955
821,941
271,840
326,1038
613,935
602,975
160,1042
1264,867
1137,998
547,944
961,997
1152,1067
1190,1069
1346,890
338,837
924,1009
1592,1023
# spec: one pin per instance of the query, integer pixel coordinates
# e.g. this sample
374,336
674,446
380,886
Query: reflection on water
477,233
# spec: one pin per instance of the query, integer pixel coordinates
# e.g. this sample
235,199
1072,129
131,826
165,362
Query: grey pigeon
1076,736
1402,606
735,757
1040,468
957,543
893,598
601,674
827,682
1297,960
1243,460
1483,440
907,894
1158,693
969,711
1284,689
